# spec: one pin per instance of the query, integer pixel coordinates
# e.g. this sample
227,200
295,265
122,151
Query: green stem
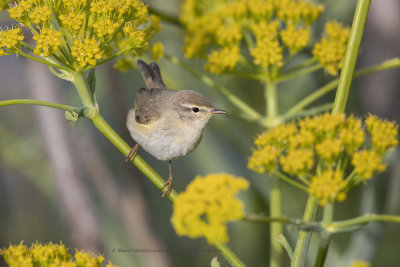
124,148
290,181
294,74
229,255
325,236
43,61
304,237
38,103
385,65
340,226
275,206
260,218
166,17
283,241
350,58
249,112
271,103
82,87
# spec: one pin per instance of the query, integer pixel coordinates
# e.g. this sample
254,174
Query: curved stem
350,58
385,65
229,255
38,103
43,61
124,148
290,181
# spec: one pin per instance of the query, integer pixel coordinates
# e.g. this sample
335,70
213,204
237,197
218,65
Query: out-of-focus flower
267,28
332,47
206,206
317,150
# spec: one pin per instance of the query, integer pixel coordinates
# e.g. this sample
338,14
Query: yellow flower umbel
207,205
77,35
270,31
331,49
10,41
315,153
49,255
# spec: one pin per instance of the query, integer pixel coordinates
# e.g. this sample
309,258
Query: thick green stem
304,237
38,103
325,236
350,58
275,206
271,104
82,87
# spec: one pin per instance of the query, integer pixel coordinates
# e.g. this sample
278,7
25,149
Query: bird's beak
217,111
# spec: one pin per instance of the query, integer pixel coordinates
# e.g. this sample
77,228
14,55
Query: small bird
166,123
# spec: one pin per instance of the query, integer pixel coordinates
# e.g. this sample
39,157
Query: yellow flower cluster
226,59
86,52
328,187
207,204
366,163
359,263
73,20
40,14
105,27
295,149
49,255
383,133
87,30
331,49
157,51
267,27
47,42
10,40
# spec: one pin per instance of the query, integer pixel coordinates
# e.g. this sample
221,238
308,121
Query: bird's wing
149,104
151,75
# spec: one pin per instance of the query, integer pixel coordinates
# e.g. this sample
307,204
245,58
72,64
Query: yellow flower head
383,133
359,263
10,40
47,42
329,149
331,49
366,163
220,61
207,204
87,30
323,143
268,29
328,187
297,161
50,254
40,15
264,159
87,52
157,51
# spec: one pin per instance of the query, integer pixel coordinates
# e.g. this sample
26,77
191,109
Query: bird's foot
168,184
132,154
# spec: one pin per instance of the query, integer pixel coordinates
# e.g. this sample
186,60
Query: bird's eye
195,109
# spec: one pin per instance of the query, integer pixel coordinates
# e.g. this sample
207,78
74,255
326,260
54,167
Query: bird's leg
169,182
132,154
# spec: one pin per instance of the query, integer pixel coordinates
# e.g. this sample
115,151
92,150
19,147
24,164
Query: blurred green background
69,183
